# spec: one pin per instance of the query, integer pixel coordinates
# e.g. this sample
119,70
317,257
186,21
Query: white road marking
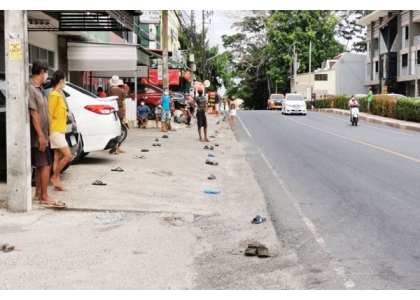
348,283
244,126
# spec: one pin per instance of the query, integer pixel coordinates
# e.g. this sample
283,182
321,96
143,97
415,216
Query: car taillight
100,109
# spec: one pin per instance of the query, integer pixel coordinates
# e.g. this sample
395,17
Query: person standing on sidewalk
369,101
224,109
216,105
232,113
202,105
165,116
114,90
58,118
101,93
39,125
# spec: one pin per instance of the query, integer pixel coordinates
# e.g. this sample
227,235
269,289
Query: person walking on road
369,101
202,105
58,119
39,125
165,116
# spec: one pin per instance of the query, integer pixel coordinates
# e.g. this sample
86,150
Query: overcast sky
218,24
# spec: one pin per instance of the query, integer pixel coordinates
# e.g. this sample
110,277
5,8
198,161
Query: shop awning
89,56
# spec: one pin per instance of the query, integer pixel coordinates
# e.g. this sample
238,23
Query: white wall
45,40
325,87
350,73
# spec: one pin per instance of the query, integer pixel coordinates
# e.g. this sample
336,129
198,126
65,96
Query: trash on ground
208,191
258,219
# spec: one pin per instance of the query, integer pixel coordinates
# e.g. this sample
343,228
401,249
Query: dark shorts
201,119
41,159
369,104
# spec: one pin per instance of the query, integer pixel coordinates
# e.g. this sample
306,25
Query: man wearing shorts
166,114
40,123
202,105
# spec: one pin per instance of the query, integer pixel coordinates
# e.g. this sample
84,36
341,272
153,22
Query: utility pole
416,92
310,57
294,67
165,48
204,49
17,117
192,52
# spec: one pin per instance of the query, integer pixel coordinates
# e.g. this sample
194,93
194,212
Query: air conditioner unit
132,37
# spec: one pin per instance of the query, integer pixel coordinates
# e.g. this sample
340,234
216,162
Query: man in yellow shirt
58,117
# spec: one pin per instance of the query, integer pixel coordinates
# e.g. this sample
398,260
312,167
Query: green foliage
349,30
249,60
408,109
321,103
300,27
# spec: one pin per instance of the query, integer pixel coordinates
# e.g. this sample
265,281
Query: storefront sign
150,17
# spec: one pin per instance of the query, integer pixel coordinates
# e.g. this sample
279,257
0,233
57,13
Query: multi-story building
393,39
50,33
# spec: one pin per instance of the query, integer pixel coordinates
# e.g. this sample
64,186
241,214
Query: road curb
412,126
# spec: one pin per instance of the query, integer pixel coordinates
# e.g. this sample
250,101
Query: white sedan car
294,104
96,118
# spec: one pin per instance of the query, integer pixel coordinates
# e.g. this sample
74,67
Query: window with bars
40,53
321,77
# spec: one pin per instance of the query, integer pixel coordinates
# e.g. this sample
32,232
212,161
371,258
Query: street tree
248,58
350,31
299,27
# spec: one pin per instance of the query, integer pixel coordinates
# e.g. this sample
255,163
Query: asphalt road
345,199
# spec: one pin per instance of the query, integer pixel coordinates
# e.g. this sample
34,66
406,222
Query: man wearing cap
202,105
114,90
40,123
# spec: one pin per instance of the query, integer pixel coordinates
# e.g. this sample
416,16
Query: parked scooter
354,114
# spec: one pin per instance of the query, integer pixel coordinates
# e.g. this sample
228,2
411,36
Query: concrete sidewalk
374,119
152,226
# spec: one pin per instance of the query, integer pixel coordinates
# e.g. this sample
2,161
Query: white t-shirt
177,113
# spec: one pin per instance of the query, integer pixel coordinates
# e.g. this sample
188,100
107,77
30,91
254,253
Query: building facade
393,38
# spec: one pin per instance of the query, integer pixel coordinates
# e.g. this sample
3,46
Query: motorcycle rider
353,102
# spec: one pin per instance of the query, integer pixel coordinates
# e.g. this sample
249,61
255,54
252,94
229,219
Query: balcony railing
375,76
416,40
403,71
413,70
376,53
405,43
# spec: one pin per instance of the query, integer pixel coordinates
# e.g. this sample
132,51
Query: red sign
153,77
